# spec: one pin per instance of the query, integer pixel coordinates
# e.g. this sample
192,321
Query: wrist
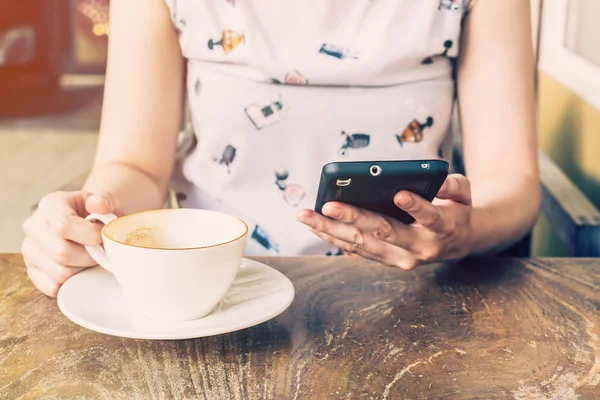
478,231
134,189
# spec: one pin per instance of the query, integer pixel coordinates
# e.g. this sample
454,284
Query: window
569,48
89,35
583,29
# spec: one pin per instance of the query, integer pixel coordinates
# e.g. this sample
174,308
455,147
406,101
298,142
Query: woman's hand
55,236
441,231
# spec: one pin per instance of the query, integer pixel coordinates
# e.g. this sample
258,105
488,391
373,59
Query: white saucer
94,300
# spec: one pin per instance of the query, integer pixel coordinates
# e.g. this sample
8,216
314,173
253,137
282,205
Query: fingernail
404,201
454,183
444,187
104,199
101,198
305,220
334,211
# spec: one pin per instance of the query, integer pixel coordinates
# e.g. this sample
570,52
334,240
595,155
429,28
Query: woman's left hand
441,231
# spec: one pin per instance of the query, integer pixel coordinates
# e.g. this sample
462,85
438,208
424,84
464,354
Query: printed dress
277,89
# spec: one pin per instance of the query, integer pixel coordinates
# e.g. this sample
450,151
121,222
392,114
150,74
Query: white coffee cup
172,264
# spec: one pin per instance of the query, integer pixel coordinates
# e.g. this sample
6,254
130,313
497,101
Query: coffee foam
153,237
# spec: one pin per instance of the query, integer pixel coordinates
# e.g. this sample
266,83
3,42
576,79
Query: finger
77,229
102,203
42,282
352,244
457,188
366,221
391,256
63,213
424,213
62,251
349,248
71,203
38,259
58,209
344,232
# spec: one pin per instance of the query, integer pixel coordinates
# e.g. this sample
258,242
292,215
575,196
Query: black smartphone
372,185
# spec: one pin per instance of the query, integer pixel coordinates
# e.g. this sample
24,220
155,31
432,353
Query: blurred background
52,63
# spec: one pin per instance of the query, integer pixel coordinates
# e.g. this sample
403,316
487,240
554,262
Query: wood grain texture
480,329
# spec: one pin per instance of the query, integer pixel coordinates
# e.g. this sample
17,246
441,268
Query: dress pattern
273,98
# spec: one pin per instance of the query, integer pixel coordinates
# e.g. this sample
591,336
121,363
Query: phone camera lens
375,170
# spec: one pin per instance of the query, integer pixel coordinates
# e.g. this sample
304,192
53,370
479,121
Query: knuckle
358,239
28,226
25,250
27,261
43,202
63,274
61,227
49,198
433,219
406,263
61,253
32,277
319,224
384,230
449,227
51,290
431,253
350,248
45,286
352,216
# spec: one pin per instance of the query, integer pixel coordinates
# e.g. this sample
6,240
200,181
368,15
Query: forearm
142,107
133,189
504,210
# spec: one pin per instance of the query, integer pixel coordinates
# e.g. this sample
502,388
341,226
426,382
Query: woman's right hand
55,236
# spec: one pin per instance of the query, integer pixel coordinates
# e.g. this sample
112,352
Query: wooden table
481,329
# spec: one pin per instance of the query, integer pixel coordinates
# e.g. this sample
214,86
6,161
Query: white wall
583,30
577,69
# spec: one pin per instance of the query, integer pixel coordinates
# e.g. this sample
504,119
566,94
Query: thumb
102,203
457,188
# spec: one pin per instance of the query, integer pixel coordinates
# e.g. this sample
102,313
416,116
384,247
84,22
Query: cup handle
97,252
